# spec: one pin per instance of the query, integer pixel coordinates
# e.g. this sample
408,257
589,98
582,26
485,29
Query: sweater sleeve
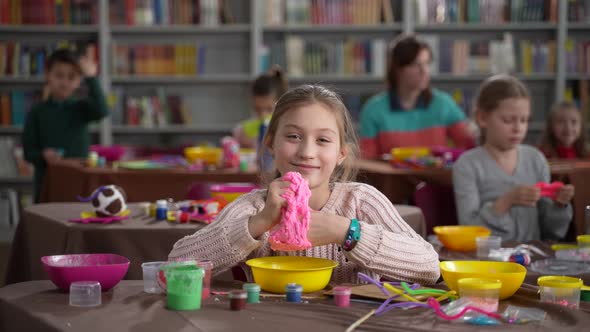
470,211
227,241
33,150
95,105
554,220
389,246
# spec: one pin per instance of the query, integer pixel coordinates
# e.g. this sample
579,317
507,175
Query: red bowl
107,269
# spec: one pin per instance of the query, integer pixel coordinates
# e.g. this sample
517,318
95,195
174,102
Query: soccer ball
109,201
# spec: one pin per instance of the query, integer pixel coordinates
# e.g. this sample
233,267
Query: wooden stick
360,321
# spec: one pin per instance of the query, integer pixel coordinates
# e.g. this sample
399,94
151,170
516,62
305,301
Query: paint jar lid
342,290
251,287
560,282
238,294
293,288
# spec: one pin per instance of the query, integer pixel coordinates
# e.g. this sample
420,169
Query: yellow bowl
275,272
211,156
408,152
460,238
510,274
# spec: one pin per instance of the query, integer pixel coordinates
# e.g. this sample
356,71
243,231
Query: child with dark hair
266,90
57,127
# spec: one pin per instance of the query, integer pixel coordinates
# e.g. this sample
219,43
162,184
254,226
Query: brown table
38,306
399,184
44,230
65,180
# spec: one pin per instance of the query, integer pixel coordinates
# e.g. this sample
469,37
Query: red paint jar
342,296
237,299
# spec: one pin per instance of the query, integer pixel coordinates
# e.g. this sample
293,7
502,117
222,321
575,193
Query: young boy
58,126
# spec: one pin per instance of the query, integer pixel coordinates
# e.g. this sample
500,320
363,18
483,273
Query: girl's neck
407,97
319,197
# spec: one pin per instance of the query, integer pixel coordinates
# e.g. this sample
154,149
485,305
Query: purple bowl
107,269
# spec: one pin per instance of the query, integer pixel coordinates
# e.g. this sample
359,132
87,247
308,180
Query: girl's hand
50,155
525,195
327,228
565,194
87,66
271,213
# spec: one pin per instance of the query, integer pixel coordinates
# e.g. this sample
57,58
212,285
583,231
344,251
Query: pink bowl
110,153
234,187
107,269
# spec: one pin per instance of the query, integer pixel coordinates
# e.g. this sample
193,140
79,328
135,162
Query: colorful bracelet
353,235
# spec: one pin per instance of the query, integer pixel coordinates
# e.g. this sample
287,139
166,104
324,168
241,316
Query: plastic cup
584,241
184,286
560,290
487,243
85,294
150,277
482,293
207,266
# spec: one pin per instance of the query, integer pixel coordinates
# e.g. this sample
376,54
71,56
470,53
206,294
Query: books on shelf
326,12
48,12
485,11
148,111
154,60
577,56
345,57
169,12
463,57
578,10
20,59
14,106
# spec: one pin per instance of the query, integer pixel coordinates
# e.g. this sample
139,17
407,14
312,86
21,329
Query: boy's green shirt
62,125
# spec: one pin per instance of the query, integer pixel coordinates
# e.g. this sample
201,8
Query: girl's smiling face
567,126
307,141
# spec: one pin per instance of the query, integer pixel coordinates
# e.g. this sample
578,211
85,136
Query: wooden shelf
180,29
335,28
481,27
205,79
173,129
11,130
48,28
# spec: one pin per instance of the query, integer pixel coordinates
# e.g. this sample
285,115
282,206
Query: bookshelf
234,54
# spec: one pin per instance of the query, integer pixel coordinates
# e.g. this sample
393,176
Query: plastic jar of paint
237,299
253,291
161,209
183,287
293,292
560,290
482,293
342,296
584,241
206,265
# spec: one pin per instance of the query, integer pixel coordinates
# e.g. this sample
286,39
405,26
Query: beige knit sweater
388,246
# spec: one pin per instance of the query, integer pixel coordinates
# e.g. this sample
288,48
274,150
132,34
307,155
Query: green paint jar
184,285
253,291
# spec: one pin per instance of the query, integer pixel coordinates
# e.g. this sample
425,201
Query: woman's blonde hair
549,141
305,95
493,91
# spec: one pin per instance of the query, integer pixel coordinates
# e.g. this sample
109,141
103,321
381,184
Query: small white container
483,293
150,277
85,294
486,243
560,290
